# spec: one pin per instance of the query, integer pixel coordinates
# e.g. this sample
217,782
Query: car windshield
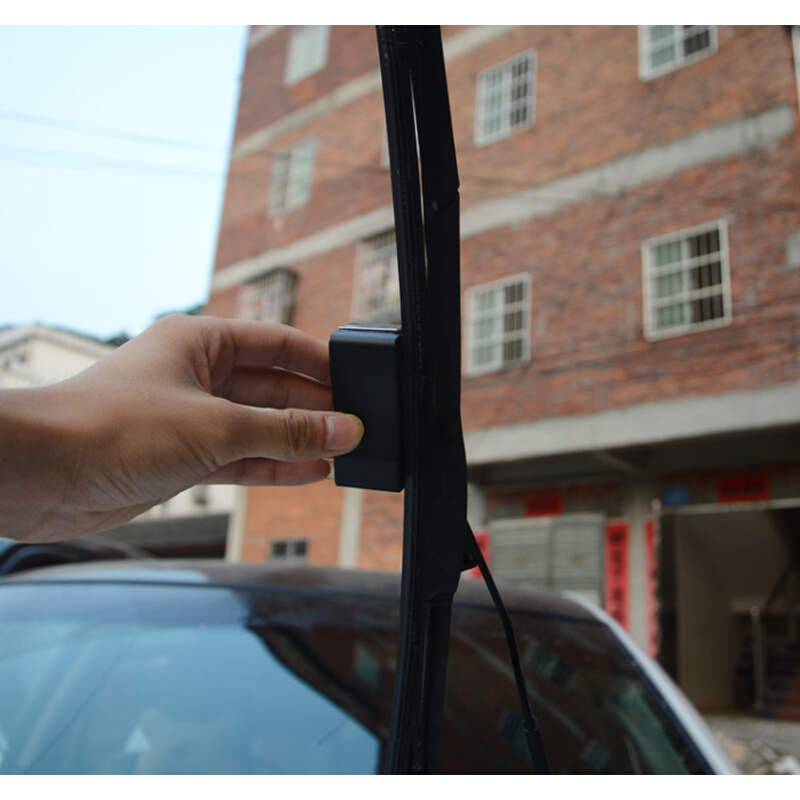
134,686
137,678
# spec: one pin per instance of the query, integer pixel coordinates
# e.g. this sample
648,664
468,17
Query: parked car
208,667
18,556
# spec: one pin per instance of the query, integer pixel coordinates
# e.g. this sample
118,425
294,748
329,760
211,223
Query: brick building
631,277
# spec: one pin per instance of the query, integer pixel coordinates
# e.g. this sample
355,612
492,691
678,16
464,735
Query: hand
191,400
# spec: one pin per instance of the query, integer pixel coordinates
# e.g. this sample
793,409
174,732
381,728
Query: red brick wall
311,512
348,181
588,349
381,544
264,99
591,106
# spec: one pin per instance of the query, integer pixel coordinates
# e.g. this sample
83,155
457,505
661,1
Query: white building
34,355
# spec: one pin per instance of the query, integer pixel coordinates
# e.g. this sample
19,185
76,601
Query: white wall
724,563
37,356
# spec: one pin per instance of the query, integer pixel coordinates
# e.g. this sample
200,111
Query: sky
114,143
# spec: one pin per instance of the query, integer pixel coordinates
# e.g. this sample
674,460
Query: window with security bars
268,298
505,100
687,284
664,48
376,296
292,172
498,325
294,550
307,52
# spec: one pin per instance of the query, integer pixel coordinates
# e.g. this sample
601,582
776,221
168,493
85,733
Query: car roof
313,579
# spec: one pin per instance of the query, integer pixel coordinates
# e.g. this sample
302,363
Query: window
292,171
664,48
687,283
505,98
498,325
268,298
307,53
376,297
14,358
136,696
288,550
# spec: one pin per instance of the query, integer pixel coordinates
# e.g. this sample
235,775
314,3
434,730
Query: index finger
268,344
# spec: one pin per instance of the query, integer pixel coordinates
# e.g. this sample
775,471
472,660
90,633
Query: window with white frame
268,298
498,325
293,550
505,98
687,285
307,52
376,296
292,173
664,48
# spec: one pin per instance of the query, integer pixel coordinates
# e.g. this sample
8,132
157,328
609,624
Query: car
202,667
18,556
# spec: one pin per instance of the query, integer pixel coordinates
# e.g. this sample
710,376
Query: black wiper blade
427,233
437,541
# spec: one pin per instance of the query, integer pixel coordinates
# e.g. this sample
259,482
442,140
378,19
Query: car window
185,679
137,694
596,713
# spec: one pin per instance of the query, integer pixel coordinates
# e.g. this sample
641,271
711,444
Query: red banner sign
617,594
544,505
742,489
484,543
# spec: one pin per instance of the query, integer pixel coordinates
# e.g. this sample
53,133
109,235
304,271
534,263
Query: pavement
759,746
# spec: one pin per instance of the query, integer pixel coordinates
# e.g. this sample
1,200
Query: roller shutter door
564,552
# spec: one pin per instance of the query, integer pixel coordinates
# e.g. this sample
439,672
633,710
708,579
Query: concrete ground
759,746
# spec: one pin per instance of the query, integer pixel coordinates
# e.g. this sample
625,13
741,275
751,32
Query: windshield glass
144,678
119,689
596,712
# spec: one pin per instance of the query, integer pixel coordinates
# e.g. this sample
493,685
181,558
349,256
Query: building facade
631,319
37,355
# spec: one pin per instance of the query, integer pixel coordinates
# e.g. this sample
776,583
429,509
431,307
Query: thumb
293,434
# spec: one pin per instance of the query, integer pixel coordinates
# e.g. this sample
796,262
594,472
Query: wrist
38,460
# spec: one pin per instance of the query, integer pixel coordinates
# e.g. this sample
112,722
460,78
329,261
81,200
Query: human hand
191,400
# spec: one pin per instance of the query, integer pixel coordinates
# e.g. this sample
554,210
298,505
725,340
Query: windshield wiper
437,541
427,235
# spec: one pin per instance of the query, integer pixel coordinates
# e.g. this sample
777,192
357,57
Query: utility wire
112,133
475,181
87,162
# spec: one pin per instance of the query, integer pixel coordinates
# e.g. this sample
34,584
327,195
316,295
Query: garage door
563,552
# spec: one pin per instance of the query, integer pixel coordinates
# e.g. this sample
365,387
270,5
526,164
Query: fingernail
344,432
